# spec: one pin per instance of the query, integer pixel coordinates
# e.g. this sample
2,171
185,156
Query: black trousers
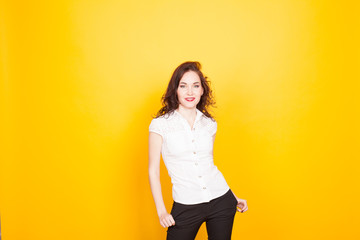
218,214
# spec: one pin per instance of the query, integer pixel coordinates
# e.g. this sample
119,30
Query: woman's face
190,90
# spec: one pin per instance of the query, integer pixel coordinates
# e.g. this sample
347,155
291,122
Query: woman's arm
155,142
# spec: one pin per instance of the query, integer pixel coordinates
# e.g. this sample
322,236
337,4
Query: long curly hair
170,100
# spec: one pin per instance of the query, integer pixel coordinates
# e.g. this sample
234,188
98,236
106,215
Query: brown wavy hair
170,100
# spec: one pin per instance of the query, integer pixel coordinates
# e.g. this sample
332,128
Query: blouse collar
198,114
197,118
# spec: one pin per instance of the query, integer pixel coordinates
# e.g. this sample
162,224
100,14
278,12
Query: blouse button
204,187
199,176
194,152
193,140
196,163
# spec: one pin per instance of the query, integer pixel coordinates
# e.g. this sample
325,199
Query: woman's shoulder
156,125
157,121
162,119
210,124
209,120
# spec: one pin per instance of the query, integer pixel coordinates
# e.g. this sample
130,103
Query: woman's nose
189,90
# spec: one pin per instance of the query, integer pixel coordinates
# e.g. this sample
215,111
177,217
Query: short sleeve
155,126
213,128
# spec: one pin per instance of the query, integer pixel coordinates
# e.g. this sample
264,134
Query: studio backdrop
80,81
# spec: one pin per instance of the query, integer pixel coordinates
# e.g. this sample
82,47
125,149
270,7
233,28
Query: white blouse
188,157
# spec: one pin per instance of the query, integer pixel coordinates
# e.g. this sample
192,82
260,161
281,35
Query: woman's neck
189,114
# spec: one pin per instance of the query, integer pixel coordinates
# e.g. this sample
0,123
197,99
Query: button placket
198,172
202,182
192,134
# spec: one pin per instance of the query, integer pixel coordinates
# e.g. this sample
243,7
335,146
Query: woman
183,132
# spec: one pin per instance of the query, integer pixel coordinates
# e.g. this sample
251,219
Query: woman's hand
166,220
242,204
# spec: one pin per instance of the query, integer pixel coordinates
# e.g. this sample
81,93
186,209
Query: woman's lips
190,99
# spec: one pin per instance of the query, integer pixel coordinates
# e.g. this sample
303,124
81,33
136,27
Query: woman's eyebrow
186,83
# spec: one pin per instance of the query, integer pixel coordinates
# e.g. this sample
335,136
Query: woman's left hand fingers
243,205
244,209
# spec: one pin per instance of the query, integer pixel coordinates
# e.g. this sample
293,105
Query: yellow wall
81,79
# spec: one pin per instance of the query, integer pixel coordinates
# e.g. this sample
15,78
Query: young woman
183,132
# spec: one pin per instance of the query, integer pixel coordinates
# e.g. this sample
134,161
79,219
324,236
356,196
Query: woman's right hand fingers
167,220
172,221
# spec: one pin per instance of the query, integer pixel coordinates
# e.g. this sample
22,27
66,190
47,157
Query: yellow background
81,79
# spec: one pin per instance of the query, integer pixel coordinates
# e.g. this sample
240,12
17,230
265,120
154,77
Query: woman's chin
189,105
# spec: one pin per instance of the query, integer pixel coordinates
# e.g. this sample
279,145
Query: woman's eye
197,86
182,86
